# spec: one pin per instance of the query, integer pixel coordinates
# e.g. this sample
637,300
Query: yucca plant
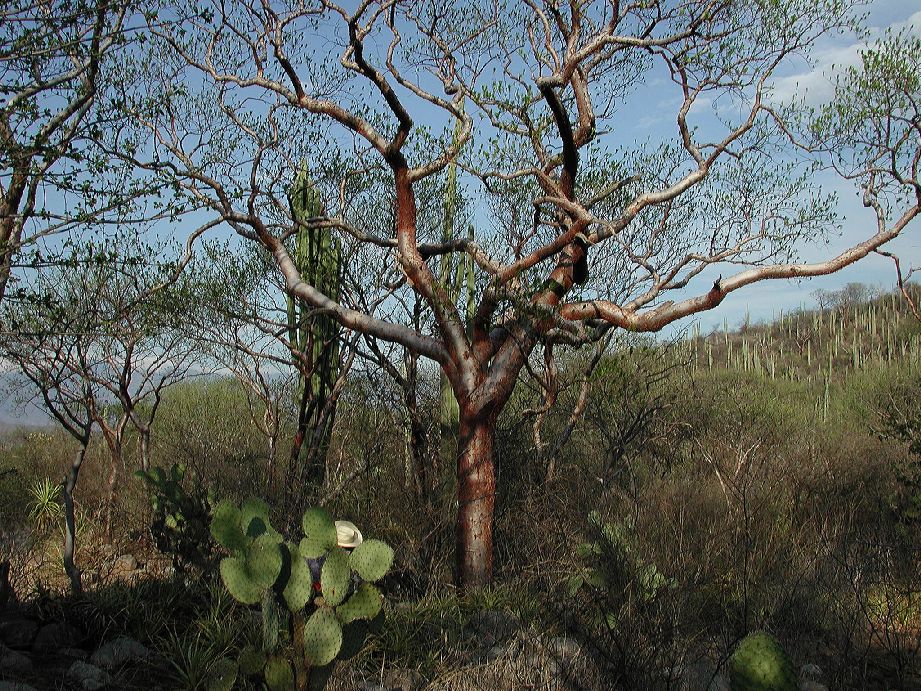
194,664
45,509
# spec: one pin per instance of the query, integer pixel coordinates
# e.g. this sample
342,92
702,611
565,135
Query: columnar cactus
314,339
321,585
456,275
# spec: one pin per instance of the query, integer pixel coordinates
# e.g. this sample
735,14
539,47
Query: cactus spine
314,339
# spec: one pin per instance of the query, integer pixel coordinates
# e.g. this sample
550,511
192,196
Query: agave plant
45,508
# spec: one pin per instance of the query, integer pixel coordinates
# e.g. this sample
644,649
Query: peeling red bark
476,495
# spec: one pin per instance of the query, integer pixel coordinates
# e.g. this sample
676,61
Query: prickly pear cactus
317,589
179,524
761,664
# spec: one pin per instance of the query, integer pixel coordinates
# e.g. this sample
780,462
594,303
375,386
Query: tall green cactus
323,611
457,275
314,338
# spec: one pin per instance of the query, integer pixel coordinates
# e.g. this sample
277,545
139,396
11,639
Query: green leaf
225,527
364,603
238,581
222,675
251,661
278,674
299,589
254,518
263,561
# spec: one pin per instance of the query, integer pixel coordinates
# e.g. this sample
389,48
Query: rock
495,653
702,675
119,652
403,680
18,633
124,565
492,626
90,577
58,634
808,685
15,686
88,677
810,672
73,653
564,648
14,661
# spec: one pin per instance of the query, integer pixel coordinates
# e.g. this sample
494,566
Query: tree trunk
115,457
476,495
70,523
145,449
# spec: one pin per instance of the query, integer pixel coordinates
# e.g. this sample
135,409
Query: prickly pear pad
278,674
322,637
238,581
371,560
364,603
299,588
225,526
761,664
334,578
319,533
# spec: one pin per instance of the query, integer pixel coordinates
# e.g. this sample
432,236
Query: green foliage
761,664
279,676
45,508
194,663
223,675
180,518
611,565
322,637
320,531
334,578
312,590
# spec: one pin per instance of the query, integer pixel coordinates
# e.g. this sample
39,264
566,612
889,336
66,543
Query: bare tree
579,231
51,363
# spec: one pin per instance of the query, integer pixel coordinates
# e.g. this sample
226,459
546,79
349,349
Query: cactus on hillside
313,339
315,587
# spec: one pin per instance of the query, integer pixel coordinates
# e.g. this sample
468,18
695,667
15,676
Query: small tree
106,322
51,361
580,232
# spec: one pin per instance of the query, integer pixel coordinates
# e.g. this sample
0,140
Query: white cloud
816,84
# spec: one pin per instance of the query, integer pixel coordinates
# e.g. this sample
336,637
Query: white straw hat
347,535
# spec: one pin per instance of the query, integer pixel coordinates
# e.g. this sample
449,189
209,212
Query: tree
98,338
54,177
52,363
579,231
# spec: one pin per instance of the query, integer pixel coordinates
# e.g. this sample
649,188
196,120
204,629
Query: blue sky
814,81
